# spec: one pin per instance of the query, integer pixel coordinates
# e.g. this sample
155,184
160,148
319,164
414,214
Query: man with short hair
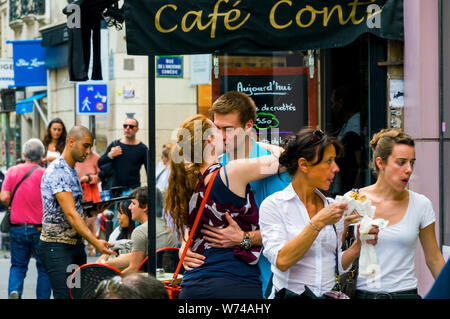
127,156
139,237
61,247
26,219
234,114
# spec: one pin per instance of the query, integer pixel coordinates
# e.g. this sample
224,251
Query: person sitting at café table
164,236
121,235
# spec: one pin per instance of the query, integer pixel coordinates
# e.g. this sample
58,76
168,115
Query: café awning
161,27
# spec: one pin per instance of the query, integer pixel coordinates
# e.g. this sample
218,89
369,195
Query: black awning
160,27
55,35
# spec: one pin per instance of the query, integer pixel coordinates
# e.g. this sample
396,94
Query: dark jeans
220,288
24,245
60,261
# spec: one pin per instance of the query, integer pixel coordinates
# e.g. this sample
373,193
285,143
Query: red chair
166,258
86,278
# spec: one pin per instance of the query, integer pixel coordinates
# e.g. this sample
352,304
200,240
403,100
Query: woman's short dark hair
307,143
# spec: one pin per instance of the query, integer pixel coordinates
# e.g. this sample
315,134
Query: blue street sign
169,66
92,98
29,63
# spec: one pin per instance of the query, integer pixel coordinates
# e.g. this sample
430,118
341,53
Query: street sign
92,98
169,66
29,63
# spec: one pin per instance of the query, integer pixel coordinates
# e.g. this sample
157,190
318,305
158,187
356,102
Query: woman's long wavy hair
62,139
185,162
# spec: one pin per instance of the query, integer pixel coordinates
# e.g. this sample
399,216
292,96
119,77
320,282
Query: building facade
395,84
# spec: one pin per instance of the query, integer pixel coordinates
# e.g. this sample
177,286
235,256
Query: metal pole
441,133
92,125
151,188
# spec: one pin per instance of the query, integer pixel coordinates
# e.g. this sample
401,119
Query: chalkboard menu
281,102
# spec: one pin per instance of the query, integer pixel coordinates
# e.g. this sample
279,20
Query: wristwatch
246,243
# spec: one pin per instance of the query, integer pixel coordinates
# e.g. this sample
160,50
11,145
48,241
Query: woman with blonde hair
410,215
225,272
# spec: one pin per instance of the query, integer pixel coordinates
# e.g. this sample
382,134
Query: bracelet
314,226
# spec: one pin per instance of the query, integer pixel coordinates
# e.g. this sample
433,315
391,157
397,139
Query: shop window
279,83
348,113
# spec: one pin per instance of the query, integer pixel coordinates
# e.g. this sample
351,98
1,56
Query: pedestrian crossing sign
92,98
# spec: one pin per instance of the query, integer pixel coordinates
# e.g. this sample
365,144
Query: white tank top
53,154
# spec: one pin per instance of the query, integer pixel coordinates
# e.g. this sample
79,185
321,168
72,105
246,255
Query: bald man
61,246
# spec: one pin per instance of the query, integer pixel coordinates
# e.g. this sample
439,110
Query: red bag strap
194,227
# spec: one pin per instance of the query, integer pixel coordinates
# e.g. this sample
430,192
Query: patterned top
59,177
214,214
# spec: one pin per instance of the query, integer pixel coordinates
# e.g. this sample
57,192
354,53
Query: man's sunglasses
129,126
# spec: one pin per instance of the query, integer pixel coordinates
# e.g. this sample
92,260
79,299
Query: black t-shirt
128,165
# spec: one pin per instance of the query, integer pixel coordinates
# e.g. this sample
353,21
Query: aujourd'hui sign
163,27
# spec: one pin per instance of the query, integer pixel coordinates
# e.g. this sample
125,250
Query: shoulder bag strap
24,178
336,264
194,227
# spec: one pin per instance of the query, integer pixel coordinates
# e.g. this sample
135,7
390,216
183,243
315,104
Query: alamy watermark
74,279
73,12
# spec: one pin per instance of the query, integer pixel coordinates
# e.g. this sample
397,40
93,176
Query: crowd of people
266,231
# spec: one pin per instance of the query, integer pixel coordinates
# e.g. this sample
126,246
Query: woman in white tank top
410,215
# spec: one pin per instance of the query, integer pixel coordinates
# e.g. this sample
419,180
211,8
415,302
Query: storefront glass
327,89
10,139
279,84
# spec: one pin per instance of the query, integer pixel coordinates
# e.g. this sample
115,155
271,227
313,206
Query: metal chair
86,278
166,258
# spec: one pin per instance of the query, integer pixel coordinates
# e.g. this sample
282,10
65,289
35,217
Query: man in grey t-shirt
139,237
164,237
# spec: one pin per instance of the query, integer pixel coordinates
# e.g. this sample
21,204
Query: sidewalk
29,287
